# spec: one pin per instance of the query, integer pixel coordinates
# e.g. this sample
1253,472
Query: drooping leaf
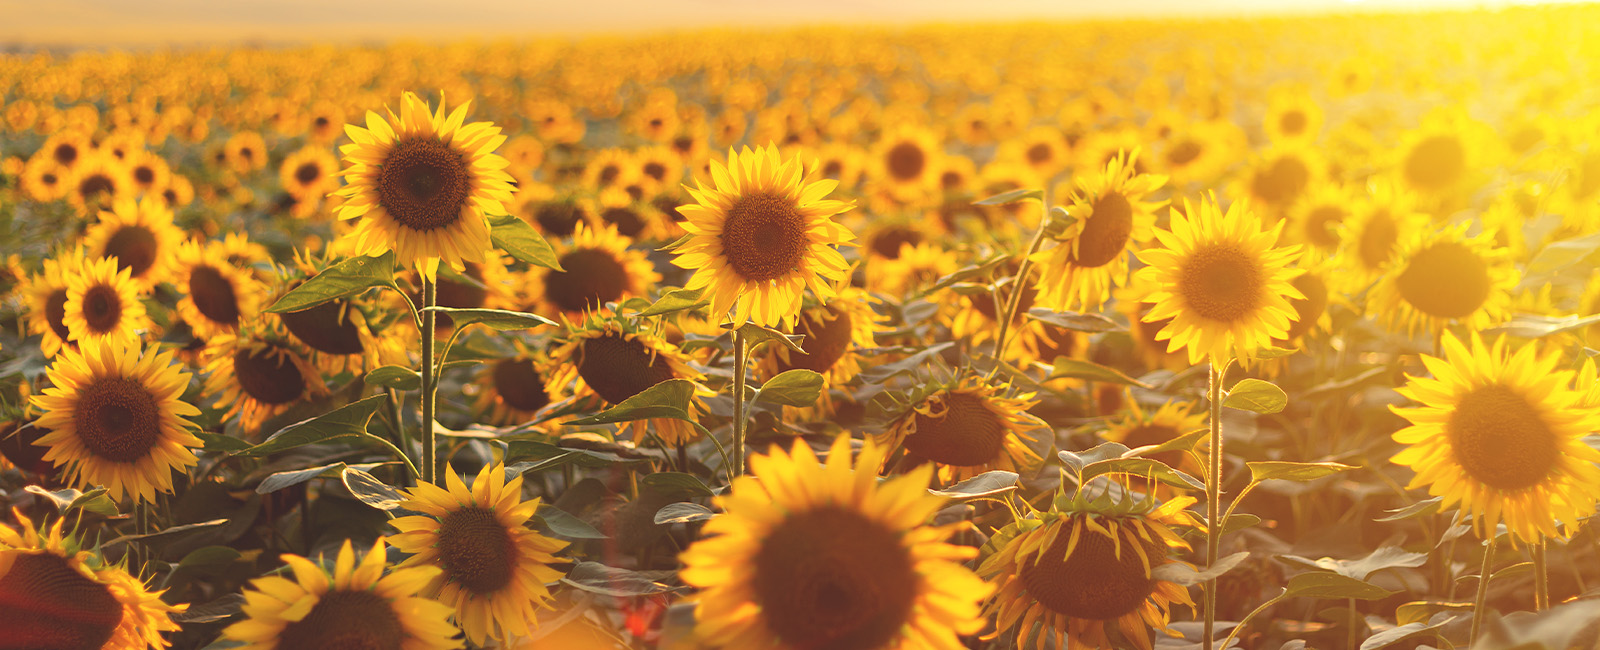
1287,471
563,524
95,500
396,377
208,557
1077,460
1145,467
1318,584
1011,197
281,480
515,236
675,484
668,399
1188,577
1256,396
1423,508
346,279
610,581
498,319
675,301
880,374
1386,557
683,513
1421,611
346,421
977,271
167,532
533,456
369,490
755,335
986,484
1076,321
1089,370
797,387
211,612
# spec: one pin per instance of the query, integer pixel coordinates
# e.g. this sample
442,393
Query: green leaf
220,443
755,335
1146,467
880,374
668,399
973,272
281,480
1533,326
798,387
212,612
1256,396
1318,584
346,279
166,532
1080,369
986,484
611,581
515,236
675,484
208,556
1401,633
1420,611
1075,321
682,513
1287,471
563,524
396,377
371,491
675,301
1270,352
1188,577
547,456
1386,557
1421,508
1012,197
94,500
1077,460
498,319
346,421
1239,522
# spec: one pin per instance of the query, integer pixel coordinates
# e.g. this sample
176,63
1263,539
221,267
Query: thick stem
1213,496
1483,588
1541,577
429,384
740,360
1350,622
1018,286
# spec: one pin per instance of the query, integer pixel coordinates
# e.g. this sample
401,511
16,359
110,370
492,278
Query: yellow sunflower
834,335
912,268
353,606
1443,275
1222,280
45,180
1292,116
258,373
308,175
1138,427
59,595
424,183
965,427
141,236
1444,155
812,554
116,418
511,390
1086,574
45,294
1280,176
1318,219
98,181
762,234
494,568
337,334
218,296
615,361
102,304
1502,435
1110,214
1373,235
903,163
600,268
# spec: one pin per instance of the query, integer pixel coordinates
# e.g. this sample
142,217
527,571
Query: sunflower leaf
1089,370
1421,508
675,484
498,319
1406,632
1187,576
221,442
755,335
166,532
986,484
1318,584
598,578
668,399
1013,196
369,490
683,513
1146,467
977,271
675,301
797,387
346,279
1239,522
515,236
94,500
1071,320
1273,353
1387,557
347,421
396,377
563,524
1419,611
1287,471
281,480
1533,326
1256,396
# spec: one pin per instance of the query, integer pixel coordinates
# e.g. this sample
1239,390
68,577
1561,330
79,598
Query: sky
153,22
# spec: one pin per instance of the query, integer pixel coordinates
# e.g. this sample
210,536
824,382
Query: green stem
1484,572
412,468
1235,631
740,360
1350,635
141,526
429,389
1213,497
1018,286
1541,577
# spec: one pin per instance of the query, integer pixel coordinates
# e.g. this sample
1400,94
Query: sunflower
1318,218
1197,152
245,152
1292,116
66,148
116,418
1373,236
257,373
98,181
606,167
761,235
45,180
1502,435
887,236
834,335
903,163
966,427
218,296
600,268
102,304
913,268
150,172
512,390
1222,280
1443,275
424,182
1137,427
323,122
494,568
337,334
615,361
812,554
45,293
1443,155
60,595
308,175
1086,572
1280,176
353,606
141,236
1110,215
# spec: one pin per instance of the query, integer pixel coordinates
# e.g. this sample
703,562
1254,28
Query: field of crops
1144,334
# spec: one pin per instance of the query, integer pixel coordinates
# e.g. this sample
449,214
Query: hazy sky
199,21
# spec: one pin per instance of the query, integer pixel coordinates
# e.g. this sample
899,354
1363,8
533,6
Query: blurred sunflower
422,183
1110,215
1137,427
116,418
1085,573
1502,435
834,335
512,390
493,566
102,304
821,555
218,296
257,373
966,427
599,268
1443,155
1222,280
66,148
1292,116
1317,219
1153,351
614,361
1374,235
1280,176
45,294
1443,275
142,238
1311,311
149,172
913,268
245,152
98,181
903,162
45,180
353,606
60,595
762,234
308,175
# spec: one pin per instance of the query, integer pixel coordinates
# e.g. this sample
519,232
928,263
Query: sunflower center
833,169
134,247
326,328
1309,309
618,368
144,175
830,577
558,218
1039,153
764,236
967,434
346,620
592,278
1436,162
906,161
655,170
627,221
1292,123
1500,440
307,172
887,243
1281,181
268,375
1105,233
1183,153
117,419
827,337
475,550
102,308
213,295
1445,280
424,184
55,312
95,185
1057,342
1094,583
519,384
1320,223
1377,240
66,154
45,603
1221,282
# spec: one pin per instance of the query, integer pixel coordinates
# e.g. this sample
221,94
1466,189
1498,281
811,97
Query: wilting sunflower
614,361
821,555
834,335
45,293
512,390
59,595
116,418
257,373
141,236
599,268
1222,280
423,183
102,304
1110,215
966,427
1138,427
218,296
493,567
1502,435
1443,275
762,234
1086,573
353,606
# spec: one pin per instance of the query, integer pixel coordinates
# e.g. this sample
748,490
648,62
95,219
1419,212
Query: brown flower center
965,435
117,419
558,218
424,183
346,620
1445,280
268,375
475,550
1500,440
1320,225
1040,153
906,161
618,368
95,186
326,328
1094,583
827,337
1292,123
1377,240
1183,152
888,241
764,236
102,308
65,153
1309,309
1221,282
1282,181
135,248
829,577
213,295
307,172
1105,232
626,219
46,604
593,277
55,312
144,175
519,384
1436,162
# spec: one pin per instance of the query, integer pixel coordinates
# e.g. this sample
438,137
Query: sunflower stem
740,352
1541,577
1484,573
1014,301
1213,495
429,388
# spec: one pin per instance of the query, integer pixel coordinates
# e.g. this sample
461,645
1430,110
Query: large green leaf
1011,197
1256,396
516,237
798,387
683,513
986,484
343,280
1319,584
563,524
396,377
1075,321
281,480
1080,369
1188,577
755,335
1287,471
611,581
675,485
674,301
668,399
498,319
371,491
346,421
1145,467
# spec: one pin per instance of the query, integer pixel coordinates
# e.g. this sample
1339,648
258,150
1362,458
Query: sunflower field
1201,333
